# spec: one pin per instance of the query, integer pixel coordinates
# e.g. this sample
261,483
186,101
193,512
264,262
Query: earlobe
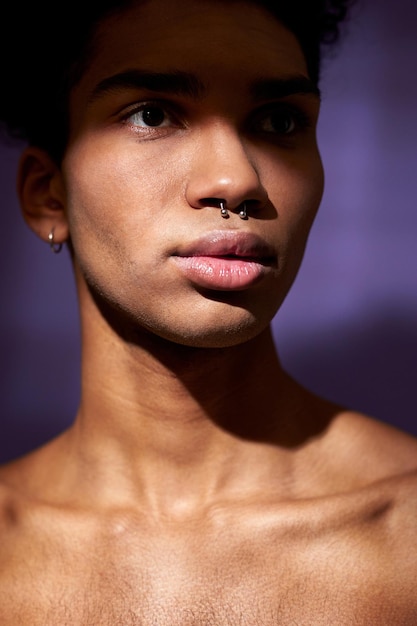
41,194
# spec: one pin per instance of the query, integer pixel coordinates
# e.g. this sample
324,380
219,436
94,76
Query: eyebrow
266,89
186,84
175,82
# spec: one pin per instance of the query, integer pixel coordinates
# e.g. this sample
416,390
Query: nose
223,173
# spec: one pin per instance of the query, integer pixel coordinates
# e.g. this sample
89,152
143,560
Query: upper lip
221,243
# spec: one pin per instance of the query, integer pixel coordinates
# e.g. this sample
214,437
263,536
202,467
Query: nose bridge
222,168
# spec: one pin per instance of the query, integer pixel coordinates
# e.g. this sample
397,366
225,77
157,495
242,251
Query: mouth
228,244
226,260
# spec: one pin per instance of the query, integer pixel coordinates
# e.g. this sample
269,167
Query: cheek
113,196
297,194
310,190
297,199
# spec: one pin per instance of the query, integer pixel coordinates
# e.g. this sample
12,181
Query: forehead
215,39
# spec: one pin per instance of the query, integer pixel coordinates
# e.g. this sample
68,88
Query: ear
41,193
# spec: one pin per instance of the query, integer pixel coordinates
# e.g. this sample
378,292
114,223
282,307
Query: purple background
348,329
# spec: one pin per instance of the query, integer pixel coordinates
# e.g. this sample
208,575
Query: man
199,483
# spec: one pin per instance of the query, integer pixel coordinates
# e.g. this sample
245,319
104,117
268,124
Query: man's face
185,104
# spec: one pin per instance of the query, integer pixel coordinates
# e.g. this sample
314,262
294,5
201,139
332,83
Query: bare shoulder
15,499
378,462
380,450
25,485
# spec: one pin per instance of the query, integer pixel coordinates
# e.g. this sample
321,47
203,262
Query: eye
151,115
281,120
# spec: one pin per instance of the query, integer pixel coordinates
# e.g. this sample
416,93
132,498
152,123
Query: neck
182,423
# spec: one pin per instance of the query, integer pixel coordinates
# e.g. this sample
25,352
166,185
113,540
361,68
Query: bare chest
131,605
346,566
236,585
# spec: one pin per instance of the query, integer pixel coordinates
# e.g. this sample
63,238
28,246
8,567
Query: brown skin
199,484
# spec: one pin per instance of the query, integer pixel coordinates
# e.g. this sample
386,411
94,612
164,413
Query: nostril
217,203
214,202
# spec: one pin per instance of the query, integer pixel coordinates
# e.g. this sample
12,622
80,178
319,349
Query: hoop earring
55,247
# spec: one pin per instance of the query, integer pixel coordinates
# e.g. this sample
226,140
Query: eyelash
299,119
167,110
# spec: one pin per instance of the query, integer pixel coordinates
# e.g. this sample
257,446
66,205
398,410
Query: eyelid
303,119
168,107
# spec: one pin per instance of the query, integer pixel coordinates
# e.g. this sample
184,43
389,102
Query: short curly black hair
45,45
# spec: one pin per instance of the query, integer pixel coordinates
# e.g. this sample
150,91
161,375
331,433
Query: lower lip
220,273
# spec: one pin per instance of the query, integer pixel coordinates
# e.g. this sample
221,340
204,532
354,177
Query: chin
229,329
219,338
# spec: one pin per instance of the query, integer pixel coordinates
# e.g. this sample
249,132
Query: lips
226,260
228,243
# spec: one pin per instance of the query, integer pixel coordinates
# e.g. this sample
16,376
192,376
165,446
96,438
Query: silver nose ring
225,213
242,213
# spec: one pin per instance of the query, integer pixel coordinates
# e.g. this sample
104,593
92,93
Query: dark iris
282,123
153,116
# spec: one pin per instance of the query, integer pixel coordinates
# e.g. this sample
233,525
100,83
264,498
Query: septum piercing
225,213
242,213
